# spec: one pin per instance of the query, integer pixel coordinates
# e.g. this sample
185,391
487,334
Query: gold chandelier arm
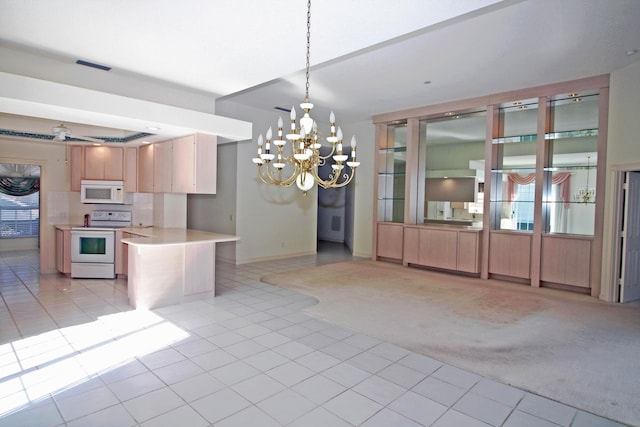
272,176
332,181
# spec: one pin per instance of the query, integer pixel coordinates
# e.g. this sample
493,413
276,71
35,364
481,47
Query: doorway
626,226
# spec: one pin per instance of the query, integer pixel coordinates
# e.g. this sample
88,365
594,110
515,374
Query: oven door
96,246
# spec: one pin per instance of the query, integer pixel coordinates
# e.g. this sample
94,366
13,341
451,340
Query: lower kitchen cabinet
63,250
122,253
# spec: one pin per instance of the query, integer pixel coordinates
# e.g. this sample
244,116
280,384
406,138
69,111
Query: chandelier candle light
304,153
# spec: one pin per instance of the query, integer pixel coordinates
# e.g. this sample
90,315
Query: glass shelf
572,134
392,150
514,170
515,139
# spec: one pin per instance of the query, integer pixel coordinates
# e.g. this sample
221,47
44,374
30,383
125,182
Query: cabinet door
63,250
114,163
183,165
510,254
122,253
94,162
439,248
76,167
206,164
59,250
131,169
162,165
145,169
469,251
390,241
566,261
411,253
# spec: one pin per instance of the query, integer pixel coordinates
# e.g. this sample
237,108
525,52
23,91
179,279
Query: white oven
92,253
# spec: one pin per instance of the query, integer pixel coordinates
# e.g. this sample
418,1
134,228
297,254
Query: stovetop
108,220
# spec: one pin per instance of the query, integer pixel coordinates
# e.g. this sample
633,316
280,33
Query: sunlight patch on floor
35,367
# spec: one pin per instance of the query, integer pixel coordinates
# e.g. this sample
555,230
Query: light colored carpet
569,347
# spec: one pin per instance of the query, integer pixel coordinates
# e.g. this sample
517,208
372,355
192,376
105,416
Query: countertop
157,236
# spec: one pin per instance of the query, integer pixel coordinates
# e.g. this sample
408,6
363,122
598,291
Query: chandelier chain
306,98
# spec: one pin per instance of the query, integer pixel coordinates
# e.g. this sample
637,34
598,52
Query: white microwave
109,192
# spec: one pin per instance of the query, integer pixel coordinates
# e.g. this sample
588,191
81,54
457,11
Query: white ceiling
368,56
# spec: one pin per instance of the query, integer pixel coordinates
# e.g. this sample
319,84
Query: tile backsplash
66,208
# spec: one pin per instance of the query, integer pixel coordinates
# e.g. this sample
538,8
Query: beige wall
623,148
217,212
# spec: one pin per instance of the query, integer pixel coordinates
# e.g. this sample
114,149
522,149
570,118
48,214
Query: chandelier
586,194
300,162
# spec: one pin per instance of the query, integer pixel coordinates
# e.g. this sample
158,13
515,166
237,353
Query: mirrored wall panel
451,169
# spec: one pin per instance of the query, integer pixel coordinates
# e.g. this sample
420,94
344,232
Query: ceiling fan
62,132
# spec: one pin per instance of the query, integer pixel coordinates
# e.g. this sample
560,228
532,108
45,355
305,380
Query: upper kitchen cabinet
97,163
182,165
102,162
194,164
145,168
131,169
162,167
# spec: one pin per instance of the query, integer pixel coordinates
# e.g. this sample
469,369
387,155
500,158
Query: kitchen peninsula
170,265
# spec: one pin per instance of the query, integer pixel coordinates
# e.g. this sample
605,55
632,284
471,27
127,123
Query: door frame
611,264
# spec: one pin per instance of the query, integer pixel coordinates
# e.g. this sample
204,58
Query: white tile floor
73,353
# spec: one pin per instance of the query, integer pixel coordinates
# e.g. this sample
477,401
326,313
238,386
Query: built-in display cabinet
503,186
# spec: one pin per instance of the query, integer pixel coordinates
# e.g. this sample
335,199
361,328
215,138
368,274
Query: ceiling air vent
93,65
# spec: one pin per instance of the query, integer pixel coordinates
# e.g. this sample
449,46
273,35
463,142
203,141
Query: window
19,215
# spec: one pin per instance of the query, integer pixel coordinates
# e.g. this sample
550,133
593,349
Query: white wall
623,148
362,189
272,222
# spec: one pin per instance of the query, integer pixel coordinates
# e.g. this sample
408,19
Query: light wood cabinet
449,249
182,165
63,250
390,236
99,163
76,166
411,246
439,248
162,167
469,251
130,169
566,260
510,254
194,164
104,163
145,168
